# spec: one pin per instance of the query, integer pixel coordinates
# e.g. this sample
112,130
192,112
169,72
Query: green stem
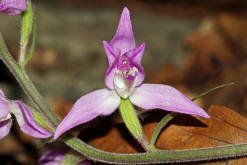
22,53
160,126
27,85
213,153
213,89
72,158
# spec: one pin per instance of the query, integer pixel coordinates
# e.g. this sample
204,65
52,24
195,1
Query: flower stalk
160,126
132,122
72,158
160,156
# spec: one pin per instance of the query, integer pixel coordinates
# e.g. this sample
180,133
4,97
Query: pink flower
13,7
123,79
23,116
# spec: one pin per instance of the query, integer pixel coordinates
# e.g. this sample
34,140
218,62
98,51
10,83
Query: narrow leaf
27,22
31,50
213,89
26,29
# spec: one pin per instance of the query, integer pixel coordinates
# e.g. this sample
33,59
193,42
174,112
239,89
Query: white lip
123,86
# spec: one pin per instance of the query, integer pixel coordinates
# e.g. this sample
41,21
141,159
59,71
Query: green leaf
31,50
27,22
26,29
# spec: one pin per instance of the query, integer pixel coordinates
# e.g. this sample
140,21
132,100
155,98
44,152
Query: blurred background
192,45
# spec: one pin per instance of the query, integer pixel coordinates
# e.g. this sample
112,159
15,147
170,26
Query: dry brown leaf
10,145
224,127
209,53
185,132
218,43
61,106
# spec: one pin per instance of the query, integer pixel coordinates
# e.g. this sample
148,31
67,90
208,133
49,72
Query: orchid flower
55,157
24,118
13,7
124,77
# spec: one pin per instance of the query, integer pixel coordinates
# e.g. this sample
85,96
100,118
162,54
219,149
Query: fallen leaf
10,145
185,132
61,106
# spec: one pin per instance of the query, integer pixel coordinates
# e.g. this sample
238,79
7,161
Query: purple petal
109,76
13,7
5,127
26,121
124,38
4,107
135,57
112,57
97,103
140,75
54,157
153,96
136,54
111,53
